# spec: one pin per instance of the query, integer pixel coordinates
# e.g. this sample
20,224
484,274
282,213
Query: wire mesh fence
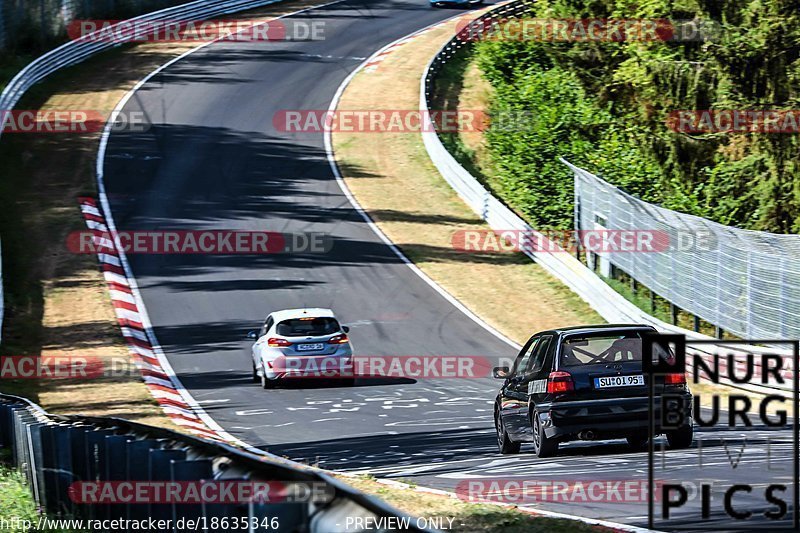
746,282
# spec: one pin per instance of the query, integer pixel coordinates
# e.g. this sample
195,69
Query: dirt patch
394,180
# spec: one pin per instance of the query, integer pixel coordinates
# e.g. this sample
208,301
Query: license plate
310,347
618,381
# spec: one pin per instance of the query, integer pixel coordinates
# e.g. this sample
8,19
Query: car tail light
559,382
275,343
339,339
675,379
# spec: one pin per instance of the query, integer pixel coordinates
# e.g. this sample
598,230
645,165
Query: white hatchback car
301,343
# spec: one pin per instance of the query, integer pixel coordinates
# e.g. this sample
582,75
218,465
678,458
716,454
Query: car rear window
307,327
590,350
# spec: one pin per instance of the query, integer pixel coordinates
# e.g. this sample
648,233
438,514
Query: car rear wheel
266,383
255,373
680,438
542,446
504,442
638,441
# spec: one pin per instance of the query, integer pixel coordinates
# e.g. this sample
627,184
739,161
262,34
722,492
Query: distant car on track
583,383
443,3
301,343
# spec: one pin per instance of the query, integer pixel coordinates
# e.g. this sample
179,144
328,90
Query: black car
583,383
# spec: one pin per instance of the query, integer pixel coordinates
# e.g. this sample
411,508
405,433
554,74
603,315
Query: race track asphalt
214,160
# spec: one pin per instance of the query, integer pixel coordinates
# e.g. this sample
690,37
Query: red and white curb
374,62
130,321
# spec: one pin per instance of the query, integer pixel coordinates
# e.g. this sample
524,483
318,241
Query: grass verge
379,172
56,302
17,506
465,517
394,180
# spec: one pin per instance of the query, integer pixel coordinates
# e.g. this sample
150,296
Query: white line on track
447,296
371,223
101,154
209,421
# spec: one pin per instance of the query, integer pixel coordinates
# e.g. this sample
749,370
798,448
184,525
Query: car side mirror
252,334
346,329
500,372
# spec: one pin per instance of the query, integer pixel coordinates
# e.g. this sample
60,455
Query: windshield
590,350
308,327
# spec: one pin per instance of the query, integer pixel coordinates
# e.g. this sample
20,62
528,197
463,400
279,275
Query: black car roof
600,328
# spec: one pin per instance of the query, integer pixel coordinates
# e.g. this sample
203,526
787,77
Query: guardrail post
136,469
36,464
196,470
6,427
49,469
22,457
159,470
115,453
95,448
55,452
64,468
80,462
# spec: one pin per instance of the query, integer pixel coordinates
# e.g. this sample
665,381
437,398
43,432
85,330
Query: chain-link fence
746,282
33,26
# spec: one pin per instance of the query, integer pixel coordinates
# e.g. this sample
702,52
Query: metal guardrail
608,303
75,51
53,452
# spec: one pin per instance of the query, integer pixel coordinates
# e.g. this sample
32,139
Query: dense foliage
604,106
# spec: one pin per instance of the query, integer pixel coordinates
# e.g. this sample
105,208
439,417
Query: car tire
504,442
638,441
255,373
267,383
681,438
542,446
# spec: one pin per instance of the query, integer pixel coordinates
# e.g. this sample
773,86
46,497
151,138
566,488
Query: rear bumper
337,365
607,418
